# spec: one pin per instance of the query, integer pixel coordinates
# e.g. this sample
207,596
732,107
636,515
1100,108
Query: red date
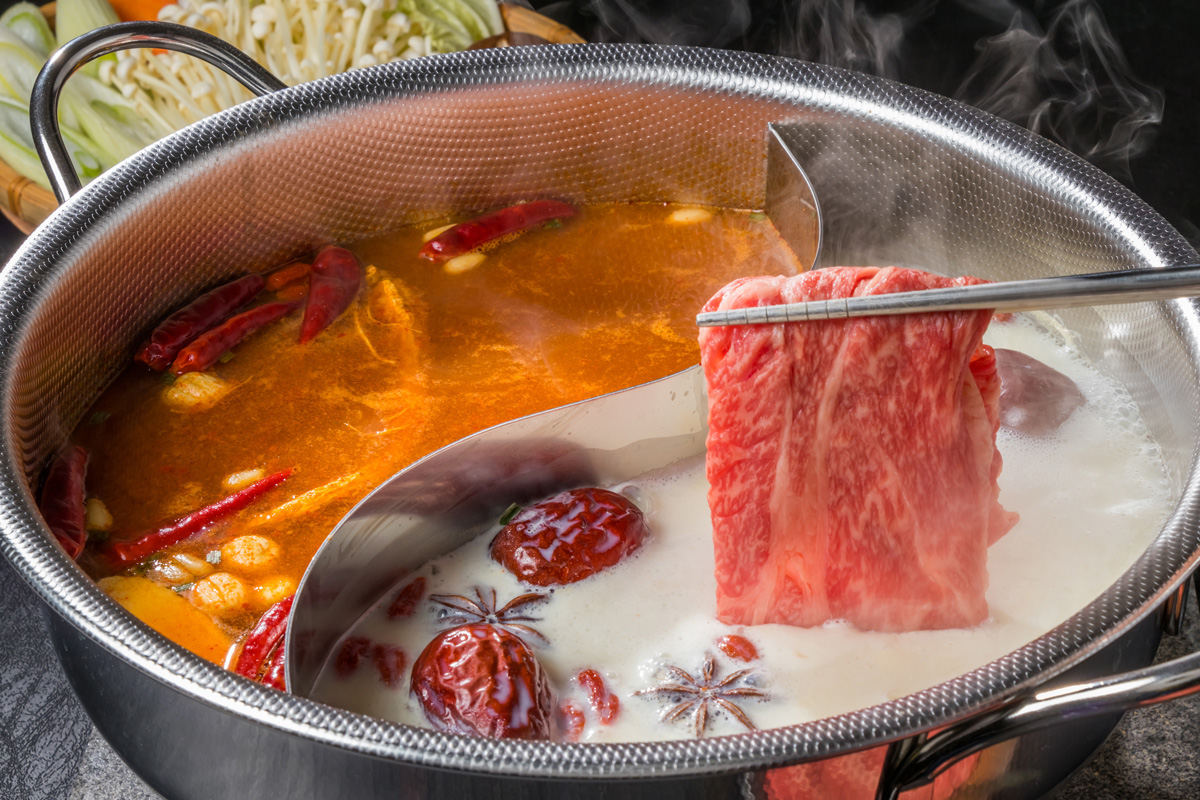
481,680
569,537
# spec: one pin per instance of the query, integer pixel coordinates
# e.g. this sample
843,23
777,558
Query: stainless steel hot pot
905,177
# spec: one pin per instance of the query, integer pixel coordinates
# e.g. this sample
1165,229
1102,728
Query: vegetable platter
125,102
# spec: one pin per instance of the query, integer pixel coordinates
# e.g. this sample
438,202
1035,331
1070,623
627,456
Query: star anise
695,695
483,610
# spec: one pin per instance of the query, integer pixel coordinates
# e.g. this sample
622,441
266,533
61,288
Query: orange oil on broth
557,315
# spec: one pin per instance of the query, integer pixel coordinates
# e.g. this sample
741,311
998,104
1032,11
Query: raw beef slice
852,464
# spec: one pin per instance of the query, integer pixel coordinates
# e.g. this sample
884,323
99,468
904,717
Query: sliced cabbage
489,11
445,33
476,26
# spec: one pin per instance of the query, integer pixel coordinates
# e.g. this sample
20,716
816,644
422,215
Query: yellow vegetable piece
240,480
96,515
689,216
386,304
169,614
196,391
464,263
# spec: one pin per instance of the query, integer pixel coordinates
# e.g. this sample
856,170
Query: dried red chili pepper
263,637
204,351
275,676
122,554
293,291
336,276
62,499
207,310
473,234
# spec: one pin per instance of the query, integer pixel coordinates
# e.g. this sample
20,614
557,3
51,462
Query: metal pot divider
989,705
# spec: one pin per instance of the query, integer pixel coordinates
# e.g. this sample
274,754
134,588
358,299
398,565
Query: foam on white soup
1091,497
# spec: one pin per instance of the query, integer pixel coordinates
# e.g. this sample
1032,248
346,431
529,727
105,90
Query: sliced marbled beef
852,463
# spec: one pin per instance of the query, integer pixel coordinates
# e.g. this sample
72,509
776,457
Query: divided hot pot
905,177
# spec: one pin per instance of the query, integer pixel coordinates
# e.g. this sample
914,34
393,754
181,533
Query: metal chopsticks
1093,289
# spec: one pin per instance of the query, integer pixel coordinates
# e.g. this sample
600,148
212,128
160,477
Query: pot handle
43,103
916,761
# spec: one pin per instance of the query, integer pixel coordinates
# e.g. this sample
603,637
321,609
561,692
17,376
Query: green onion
107,118
509,513
16,144
29,24
19,67
554,223
757,215
183,587
225,358
99,417
167,377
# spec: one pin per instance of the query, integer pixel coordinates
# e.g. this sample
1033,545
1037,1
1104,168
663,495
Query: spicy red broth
425,354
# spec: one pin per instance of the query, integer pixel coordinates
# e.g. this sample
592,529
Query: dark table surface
49,749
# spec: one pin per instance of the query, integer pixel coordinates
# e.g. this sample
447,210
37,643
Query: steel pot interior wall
905,177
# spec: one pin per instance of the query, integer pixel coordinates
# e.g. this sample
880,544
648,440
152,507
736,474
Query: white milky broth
1091,498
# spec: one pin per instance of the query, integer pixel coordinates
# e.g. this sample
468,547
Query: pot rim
72,595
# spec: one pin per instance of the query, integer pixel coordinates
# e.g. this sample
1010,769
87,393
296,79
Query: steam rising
1070,83
843,33
704,23
1059,73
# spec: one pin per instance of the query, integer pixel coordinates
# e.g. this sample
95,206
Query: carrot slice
133,10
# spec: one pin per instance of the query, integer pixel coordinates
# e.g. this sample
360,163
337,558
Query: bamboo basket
26,204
